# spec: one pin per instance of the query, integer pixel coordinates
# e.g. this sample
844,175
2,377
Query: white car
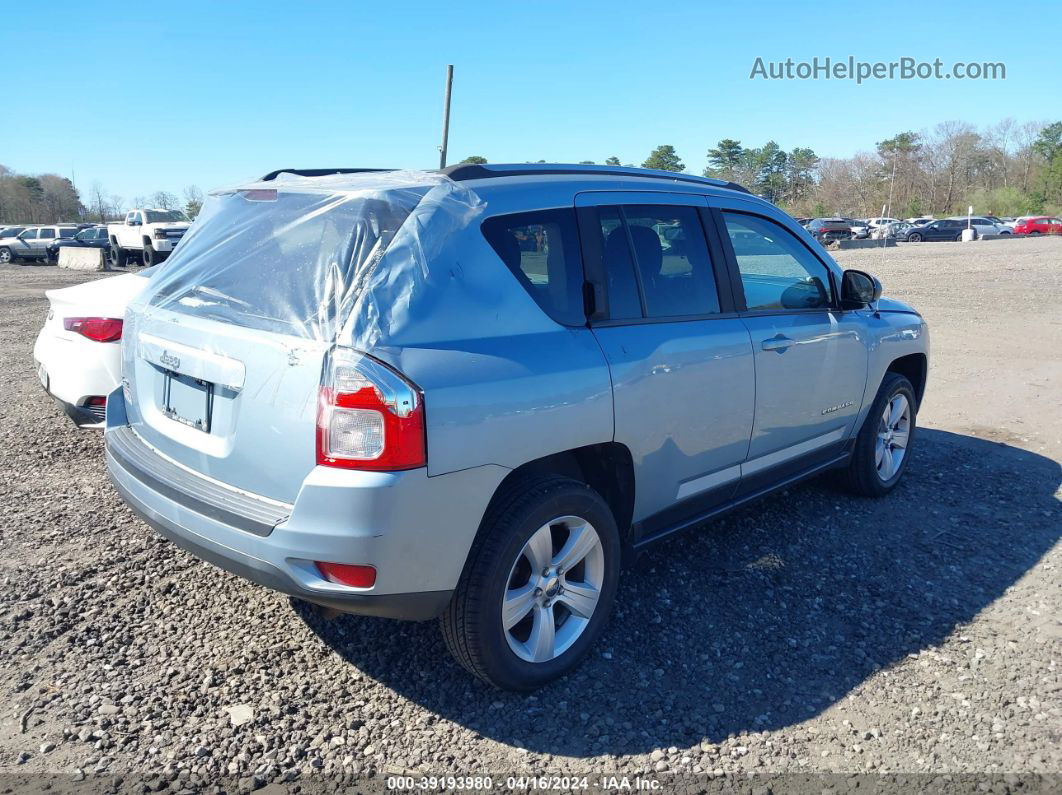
874,223
78,354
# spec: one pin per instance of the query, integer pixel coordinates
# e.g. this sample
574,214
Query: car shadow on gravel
763,618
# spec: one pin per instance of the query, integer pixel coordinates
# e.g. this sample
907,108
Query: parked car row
146,234
379,462
926,227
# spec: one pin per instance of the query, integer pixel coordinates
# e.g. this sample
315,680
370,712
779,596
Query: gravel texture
809,635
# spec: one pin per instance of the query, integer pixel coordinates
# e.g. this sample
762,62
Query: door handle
778,343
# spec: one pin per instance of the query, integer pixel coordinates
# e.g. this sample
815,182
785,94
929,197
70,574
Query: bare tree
117,205
164,200
98,198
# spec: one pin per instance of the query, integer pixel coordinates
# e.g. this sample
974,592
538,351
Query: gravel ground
810,635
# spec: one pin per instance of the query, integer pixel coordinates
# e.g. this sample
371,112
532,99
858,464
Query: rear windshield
283,261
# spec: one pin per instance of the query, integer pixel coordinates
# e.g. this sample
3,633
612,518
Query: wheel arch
914,367
607,468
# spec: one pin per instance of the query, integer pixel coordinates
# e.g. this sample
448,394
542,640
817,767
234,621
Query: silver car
467,394
32,242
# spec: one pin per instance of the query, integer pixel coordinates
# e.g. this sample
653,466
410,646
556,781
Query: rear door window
671,260
656,262
46,233
541,248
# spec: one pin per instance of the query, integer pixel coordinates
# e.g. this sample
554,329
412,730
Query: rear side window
541,248
777,272
46,234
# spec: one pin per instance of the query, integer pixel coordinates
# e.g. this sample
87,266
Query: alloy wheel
894,434
553,589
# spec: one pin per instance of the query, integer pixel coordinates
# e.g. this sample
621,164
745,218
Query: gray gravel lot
811,634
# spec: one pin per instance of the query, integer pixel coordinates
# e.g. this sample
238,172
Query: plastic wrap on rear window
301,256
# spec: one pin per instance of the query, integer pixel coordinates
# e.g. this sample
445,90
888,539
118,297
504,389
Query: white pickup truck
152,232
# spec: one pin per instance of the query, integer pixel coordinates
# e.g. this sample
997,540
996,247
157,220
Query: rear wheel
6,256
538,585
1034,232
883,445
118,256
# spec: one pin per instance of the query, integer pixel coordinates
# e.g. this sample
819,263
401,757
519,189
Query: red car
1040,225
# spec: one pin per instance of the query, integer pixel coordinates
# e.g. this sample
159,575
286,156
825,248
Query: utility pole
446,116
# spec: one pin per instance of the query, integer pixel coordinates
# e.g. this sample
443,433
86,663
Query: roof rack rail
468,171
318,172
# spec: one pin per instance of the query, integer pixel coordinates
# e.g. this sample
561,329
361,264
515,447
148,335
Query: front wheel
538,586
883,445
150,256
6,256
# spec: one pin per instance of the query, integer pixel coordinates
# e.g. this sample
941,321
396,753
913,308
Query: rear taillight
368,416
98,329
98,400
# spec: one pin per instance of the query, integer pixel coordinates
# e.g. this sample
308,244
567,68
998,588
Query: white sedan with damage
78,353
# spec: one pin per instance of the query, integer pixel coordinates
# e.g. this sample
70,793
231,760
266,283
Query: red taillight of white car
97,329
368,416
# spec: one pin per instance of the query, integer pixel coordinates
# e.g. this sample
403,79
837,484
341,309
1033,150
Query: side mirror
858,289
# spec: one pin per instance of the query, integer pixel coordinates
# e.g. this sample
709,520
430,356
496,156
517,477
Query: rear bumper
406,606
415,530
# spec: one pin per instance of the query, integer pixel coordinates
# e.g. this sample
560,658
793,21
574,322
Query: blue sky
159,97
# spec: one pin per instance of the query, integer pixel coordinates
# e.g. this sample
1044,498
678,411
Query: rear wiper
213,293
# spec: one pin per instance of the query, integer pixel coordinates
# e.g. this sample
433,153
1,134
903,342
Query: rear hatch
222,357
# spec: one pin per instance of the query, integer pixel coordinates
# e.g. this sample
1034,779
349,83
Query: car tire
505,611
6,256
1033,233
50,258
148,256
914,238
118,256
875,467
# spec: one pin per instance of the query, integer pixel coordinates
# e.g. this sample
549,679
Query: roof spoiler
318,172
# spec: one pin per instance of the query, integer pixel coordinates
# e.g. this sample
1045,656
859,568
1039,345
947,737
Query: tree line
1005,169
51,198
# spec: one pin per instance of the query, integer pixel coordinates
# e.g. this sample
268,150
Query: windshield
165,216
281,261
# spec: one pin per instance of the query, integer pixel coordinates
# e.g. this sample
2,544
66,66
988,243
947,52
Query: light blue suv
469,394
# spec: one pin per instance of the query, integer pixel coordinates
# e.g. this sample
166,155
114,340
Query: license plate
188,401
